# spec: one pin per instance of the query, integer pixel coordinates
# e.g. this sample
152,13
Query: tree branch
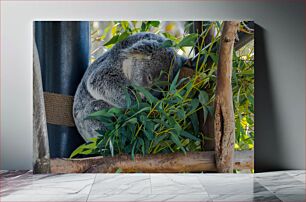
159,163
224,126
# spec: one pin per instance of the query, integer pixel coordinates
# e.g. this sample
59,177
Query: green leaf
195,123
178,128
181,81
159,139
181,114
173,84
205,113
178,143
190,136
114,111
168,43
248,72
194,104
123,136
81,149
127,98
86,152
119,170
154,23
93,139
151,99
133,150
188,40
142,110
144,27
203,97
149,134
251,99
142,146
214,57
169,36
113,40
123,36
130,121
211,110
143,119
103,113
124,24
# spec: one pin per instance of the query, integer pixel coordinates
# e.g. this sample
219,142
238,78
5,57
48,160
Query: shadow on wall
267,146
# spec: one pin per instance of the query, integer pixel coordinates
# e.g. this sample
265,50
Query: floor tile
15,174
121,184
48,184
279,174
220,184
14,181
245,198
173,184
288,186
298,175
281,183
151,197
43,198
3,171
292,197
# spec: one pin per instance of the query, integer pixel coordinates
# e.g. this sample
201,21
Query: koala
137,60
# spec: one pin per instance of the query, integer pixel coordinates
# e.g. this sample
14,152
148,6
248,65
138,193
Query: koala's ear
136,54
141,50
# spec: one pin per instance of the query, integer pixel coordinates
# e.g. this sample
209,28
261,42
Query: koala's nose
147,80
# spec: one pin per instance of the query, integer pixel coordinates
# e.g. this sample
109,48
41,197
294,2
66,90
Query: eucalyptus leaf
190,136
113,40
168,43
203,97
154,23
188,40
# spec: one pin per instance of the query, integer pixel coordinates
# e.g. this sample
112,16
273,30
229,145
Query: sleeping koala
137,60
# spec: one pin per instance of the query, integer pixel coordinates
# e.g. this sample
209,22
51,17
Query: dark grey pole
63,49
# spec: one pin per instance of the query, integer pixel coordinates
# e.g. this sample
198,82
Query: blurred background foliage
181,35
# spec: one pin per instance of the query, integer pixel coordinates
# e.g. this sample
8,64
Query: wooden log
224,122
159,163
41,156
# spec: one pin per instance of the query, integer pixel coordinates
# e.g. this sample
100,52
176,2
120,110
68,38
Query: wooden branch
243,40
41,154
243,37
224,126
159,163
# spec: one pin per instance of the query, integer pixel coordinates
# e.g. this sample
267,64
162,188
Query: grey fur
138,60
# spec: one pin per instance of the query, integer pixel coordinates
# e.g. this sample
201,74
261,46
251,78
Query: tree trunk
159,163
224,125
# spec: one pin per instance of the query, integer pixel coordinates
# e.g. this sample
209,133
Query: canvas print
143,96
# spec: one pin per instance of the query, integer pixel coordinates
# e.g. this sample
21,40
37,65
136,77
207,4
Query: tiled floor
273,186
